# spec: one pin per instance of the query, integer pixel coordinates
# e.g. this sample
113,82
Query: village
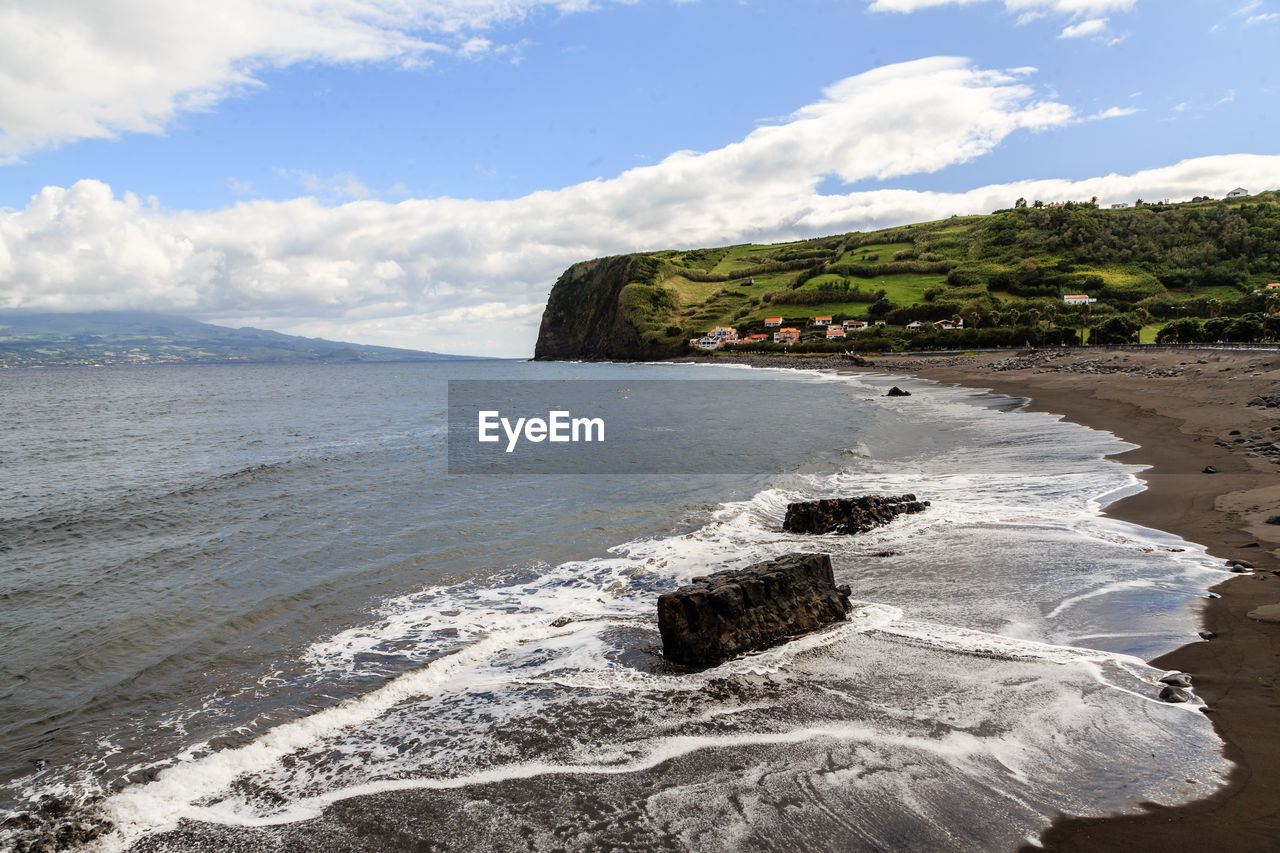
819,328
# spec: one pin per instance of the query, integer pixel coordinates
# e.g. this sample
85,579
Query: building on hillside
1079,299
755,339
854,325
822,321
835,332
1120,205
948,324
1275,285
1238,192
786,336
881,322
773,321
914,325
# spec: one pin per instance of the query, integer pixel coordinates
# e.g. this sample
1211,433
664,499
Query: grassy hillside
1204,264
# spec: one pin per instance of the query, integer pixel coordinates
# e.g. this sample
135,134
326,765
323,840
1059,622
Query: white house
1079,299
773,321
835,332
1238,192
854,325
915,324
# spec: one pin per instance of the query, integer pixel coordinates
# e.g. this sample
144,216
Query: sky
418,173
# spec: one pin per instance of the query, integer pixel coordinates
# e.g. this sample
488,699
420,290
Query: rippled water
249,601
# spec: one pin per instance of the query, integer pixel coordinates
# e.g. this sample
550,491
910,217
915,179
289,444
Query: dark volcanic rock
895,391
1209,469
848,515
730,613
1170,693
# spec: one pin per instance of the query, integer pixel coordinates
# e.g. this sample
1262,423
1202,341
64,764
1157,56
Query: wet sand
1179,406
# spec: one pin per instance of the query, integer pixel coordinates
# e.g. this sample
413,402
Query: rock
1266,613
848,515
1169,693
895,391
1207,635
858,361
1243,565
1273,519
730,613
1209,469
1234,432
1176,679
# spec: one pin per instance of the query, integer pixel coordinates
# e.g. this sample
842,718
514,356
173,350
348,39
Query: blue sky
417,172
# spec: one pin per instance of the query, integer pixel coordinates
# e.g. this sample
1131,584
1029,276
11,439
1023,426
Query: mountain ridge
141,337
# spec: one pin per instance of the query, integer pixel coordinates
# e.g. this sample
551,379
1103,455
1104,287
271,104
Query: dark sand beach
1181,406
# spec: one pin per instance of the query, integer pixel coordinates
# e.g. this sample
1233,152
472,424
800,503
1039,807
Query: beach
1181,407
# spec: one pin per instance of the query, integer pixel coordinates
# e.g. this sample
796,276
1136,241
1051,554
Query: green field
1148,266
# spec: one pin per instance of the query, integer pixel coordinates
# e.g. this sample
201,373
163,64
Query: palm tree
1013,316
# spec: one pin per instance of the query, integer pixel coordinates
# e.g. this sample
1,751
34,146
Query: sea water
249,605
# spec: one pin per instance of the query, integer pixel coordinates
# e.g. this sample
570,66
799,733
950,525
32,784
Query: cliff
605,309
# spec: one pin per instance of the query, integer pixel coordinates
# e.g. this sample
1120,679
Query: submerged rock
729,613
1176,679
1170,693
848,515
895,391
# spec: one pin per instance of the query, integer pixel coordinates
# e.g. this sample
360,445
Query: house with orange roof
773,321
786,336
822,321
835,332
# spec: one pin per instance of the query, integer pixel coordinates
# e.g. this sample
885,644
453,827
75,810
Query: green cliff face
609,309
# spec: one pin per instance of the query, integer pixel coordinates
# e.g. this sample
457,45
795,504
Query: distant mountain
131,337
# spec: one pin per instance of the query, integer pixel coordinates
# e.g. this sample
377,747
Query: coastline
1178,407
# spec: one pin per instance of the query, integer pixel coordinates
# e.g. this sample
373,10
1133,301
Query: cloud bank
472,276
77,69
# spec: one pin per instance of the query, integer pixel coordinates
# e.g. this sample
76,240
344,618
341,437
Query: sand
1178,405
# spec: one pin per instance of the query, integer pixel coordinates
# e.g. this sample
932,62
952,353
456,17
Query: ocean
251,607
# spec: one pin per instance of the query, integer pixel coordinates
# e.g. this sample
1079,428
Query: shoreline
1179,408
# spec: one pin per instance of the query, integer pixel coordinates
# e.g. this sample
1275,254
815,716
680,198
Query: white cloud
77,69
1091,27
342,186
1260,19
1028,10
472,276
1115,112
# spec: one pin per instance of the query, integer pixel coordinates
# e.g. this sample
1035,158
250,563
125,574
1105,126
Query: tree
1115,330
1037,204
1184,331
1022,202
1246,329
